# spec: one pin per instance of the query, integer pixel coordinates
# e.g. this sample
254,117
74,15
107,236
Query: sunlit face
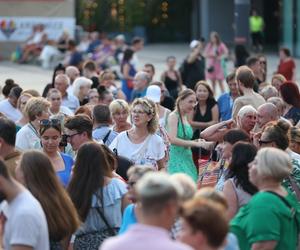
276,83
120,117
84,90
248,121
202,93
139,116
263,117
23,100
50,140
55,100
187,105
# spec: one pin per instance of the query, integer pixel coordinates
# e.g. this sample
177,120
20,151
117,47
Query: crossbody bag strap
112,232
295,187
106,136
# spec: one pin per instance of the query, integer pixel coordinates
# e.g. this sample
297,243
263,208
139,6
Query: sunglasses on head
50,122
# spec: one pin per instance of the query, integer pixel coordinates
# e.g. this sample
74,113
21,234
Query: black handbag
92,240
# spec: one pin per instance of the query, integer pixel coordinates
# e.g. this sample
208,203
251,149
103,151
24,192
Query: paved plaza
31,76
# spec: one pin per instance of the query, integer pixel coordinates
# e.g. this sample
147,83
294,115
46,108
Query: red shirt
287,68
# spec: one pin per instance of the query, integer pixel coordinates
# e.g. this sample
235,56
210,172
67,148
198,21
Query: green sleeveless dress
181,160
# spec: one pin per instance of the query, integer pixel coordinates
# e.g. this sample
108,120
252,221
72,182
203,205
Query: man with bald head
265,113
72,72
140,84
61,83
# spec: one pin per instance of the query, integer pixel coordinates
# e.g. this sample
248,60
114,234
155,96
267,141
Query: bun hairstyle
9,84
277,132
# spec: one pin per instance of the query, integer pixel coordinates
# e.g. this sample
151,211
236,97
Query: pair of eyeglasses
138,112
263,62
69,137
261,142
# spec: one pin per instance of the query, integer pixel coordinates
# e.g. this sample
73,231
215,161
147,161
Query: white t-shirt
27,138
10,111
148,152
26,223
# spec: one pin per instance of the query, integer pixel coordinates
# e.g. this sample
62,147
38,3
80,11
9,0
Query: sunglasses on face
262,142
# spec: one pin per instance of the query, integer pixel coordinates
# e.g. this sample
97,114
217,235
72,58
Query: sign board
18,29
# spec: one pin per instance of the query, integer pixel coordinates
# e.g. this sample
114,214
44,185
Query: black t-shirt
96,82
191,73
168,103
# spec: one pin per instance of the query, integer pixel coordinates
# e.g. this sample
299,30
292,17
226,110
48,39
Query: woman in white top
55,99
36,109
141,144
23,99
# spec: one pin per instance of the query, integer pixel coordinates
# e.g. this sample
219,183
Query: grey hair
80,82
273,163
155,190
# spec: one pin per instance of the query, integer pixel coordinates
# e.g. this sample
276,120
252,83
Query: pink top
140,236
211,51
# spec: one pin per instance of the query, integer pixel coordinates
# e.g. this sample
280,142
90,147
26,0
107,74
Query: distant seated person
73,57
104,54
54,50
34,43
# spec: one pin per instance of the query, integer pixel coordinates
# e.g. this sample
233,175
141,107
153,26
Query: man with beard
245,80
23,221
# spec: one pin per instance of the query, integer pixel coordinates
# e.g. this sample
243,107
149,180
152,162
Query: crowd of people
93,163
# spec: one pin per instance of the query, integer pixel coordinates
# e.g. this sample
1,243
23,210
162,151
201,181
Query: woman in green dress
181,133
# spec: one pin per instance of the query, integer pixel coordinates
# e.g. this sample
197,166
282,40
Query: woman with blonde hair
273,210
141,144
24,97
120,111
181,133
36,109
37,173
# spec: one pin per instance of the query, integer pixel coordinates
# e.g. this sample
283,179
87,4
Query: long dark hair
290,93
242,154
90,169
128,54
41,180
211,101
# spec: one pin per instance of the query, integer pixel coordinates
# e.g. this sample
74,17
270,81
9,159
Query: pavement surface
31,76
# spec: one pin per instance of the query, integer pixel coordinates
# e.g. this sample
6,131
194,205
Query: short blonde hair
35,106
118,105
150,109
186,185
273,163
80,82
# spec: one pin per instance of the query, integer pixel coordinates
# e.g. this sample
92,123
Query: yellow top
256,24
